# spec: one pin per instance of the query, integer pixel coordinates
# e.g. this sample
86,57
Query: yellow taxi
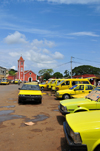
30,92
16,81
67,83
4,81
49,83
82,131
78,90
54,83
43,85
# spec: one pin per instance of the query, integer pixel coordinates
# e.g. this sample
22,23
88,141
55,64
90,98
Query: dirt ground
45,135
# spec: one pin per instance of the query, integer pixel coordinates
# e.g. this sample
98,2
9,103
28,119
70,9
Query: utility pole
71,67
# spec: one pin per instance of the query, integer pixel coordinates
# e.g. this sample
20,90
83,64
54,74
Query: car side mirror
19,88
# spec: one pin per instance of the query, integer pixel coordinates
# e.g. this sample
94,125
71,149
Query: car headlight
76,137
57,93
64,108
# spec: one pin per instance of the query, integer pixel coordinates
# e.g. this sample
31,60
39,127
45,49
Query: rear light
57,88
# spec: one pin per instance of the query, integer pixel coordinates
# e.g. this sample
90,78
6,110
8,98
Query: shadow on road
64,146
60,119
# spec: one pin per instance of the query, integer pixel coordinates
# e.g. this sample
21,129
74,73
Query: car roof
83,84
31,83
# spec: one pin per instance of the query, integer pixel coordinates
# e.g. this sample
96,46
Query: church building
27,75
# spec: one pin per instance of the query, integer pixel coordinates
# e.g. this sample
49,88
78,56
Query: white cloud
46,51
84,34
13,54
42,43
38,57
13,67
50,44
58,55
15,38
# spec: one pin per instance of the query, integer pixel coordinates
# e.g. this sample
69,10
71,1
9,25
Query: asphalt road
46,133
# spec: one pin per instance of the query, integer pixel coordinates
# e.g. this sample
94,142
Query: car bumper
71,145
30,98
61,111
58,96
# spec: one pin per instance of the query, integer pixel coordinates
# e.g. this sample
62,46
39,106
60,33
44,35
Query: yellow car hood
75,101
30,92
84,121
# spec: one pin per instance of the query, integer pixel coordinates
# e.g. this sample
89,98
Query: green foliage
46,76
12,72
44,71
58,75
67,74
85,69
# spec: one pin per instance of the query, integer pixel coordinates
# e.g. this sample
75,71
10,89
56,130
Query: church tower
21,69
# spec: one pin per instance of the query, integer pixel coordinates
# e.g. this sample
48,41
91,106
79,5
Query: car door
65,85
79,89
88,88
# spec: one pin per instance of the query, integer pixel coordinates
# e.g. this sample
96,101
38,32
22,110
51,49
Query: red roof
26,71
21,58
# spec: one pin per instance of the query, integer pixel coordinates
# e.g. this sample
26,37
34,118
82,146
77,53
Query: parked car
43,85
78,90
82,131
67,83
16,81
30,92
54,83
4,81
88,103
49,83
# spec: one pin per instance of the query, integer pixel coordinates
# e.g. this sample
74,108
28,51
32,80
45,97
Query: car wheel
97,149
40,101
19,101
66,96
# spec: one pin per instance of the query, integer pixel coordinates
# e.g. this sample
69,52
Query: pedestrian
18,82
98,83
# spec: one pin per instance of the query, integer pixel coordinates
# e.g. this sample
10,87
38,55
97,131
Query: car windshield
60,82
30,87
4,80
49,81
53,81
73,87
43,83
97,89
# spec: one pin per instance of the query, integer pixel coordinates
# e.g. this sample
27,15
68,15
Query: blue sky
47,33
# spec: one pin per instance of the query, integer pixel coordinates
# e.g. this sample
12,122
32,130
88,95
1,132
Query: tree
43,71
12,72
85,69
58,75
46,76
67,74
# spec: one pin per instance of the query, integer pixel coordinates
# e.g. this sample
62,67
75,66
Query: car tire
66,96
19,101
97,149
40,101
